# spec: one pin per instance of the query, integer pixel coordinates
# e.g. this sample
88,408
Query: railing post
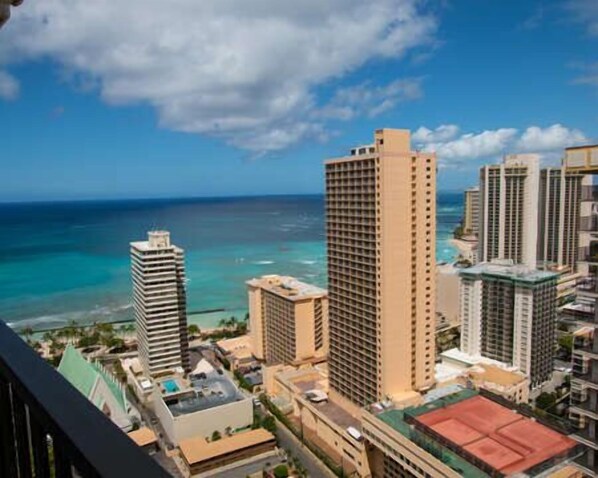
7,439
22,438
39,444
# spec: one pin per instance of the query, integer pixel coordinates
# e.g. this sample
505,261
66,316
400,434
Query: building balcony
586,381
589,193
588,351
588,463
584,438
588,223
50,429
586,410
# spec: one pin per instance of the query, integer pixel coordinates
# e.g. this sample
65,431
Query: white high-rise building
509,193
159,298
508,313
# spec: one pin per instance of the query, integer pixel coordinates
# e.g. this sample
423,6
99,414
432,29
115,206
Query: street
248,469
315,468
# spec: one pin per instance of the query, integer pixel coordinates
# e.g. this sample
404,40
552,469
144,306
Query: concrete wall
204,423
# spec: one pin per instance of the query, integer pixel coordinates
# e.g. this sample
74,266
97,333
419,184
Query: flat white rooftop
287,287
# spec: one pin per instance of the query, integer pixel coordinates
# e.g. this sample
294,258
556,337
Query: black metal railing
49,429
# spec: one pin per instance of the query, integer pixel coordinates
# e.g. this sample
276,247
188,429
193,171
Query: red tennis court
500,437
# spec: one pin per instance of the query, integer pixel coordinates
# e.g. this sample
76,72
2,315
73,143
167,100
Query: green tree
193,330
119,372
27,333
48,337
269,423
216,435
566,342
545,400
281,471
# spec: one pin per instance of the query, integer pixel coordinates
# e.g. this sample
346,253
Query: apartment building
159,300
584,384
508,314
509,209
288,320
471,211
559,209
381,235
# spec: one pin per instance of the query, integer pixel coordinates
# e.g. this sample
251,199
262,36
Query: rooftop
205,388
195,450
498,375
287,287
142,437
478,434
238,346
84,374
510,271
590,146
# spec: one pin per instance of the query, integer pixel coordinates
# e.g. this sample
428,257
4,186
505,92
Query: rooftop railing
49,429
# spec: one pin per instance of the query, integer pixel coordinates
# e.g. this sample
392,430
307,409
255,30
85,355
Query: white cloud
9,86
555,137
370,100
451,150
586,13
444,132
471,145
243,71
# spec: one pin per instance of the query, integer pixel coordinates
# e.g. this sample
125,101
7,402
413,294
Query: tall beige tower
381,232
559,217
159,300
471,211
508,226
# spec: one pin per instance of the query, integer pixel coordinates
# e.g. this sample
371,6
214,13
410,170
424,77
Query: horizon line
175,198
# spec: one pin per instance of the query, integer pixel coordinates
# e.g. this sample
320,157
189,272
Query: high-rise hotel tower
509,210
159,300
381,233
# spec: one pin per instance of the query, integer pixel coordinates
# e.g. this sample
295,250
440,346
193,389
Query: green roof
83,375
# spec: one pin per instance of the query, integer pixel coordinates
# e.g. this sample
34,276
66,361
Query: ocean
66,261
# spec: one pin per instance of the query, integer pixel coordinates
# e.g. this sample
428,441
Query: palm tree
27,332
72,330
193,330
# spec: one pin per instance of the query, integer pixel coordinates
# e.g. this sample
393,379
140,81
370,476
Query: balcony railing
588,223
589,193
47,428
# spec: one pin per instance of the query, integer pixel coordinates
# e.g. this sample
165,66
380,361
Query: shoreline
193,318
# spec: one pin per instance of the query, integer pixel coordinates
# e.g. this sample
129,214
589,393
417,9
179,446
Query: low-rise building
462,434
288,320
141,385
201,456
238,351
481,373
303,395
205,402
98,386
146,439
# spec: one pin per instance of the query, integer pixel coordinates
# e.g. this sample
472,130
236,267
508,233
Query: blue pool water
170,386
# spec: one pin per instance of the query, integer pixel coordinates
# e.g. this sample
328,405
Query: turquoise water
70,261
170,386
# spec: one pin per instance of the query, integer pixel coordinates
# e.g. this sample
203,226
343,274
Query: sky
147,98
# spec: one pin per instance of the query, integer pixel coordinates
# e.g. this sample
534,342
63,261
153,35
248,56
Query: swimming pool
170,386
